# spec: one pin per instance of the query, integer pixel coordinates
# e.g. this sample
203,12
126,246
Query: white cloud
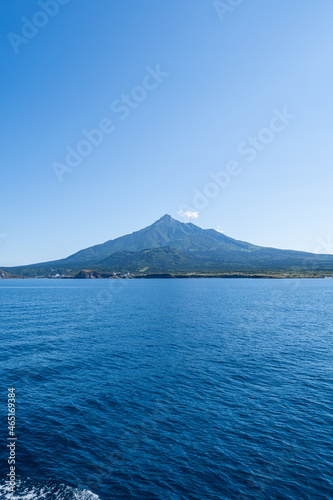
188,214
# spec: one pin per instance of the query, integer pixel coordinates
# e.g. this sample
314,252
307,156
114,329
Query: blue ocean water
169,389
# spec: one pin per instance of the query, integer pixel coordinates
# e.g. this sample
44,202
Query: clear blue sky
222,77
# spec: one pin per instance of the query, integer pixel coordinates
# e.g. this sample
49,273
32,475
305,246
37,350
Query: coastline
174,276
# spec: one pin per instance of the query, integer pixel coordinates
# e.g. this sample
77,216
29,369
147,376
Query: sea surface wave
203,389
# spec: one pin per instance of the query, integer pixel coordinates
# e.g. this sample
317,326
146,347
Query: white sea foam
31,490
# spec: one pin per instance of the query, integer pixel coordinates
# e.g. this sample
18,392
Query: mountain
176,247
164,232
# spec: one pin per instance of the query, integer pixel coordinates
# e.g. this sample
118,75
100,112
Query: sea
168,389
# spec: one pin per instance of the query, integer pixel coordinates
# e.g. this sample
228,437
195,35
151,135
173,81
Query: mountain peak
166,218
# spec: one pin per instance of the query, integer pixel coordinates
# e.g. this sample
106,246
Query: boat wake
44,490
